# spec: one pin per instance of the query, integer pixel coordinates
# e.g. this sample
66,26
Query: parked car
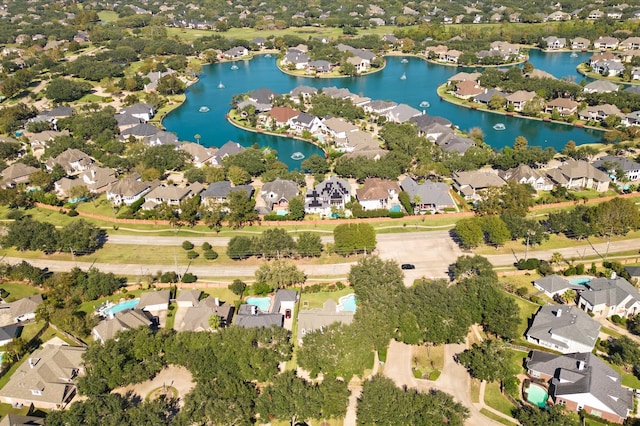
408,266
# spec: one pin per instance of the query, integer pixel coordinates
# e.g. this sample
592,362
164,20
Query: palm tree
197,137
556,258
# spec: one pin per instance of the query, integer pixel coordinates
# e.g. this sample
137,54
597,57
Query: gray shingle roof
434,193
555,283
610,291
223,188
250,316
565,322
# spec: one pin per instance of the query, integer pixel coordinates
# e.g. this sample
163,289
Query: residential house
72,160
401,113
595,14
162,138
154,77
468,89
425,121
338,128
580,43
564,329
188,298
278,193
46,379
249,316
454,143
600,86
15,174
469,184
305,122
217,193
605,297
433,197
22,309
634,273
296,59
631,119
579,175
284,302
611,163
581,381
519,98
126,121
558,16
139,131
154,301
8,333
361,65
18,420
555,43
304,92
198,317
128,190
332,193
316,319
608,68
606,43
378,193
452,56
198,153
379,107
263,96
319,67
507,49
130,319
279,116
97,179
143,112
486,95
564,106
235,52
524,174
172,195
631,43
600,112
555,285
229,148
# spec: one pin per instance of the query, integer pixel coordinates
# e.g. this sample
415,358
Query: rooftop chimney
614,275
217,301
559,312
581,365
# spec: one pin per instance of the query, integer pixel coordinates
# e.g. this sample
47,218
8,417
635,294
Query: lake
219,82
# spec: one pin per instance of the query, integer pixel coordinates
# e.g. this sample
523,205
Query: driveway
454,379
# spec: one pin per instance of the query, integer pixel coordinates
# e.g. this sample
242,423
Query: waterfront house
600,86
485,97
305,122
631,119
605,297
564,106
471,184
279,116
607,68
519,98
433,197
331,193
581,381
580,43
319,67
378,193
359,63
555,285
606,43
296,59
229,148
278,193
630,43
304,92
143,112
46,379
555,43
263,95
600,112
564,329
452,56
235,52
379,107
467,89
198,153
611,163
401,113
338,128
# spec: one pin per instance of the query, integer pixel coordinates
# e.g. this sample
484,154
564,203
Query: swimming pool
263,303
580,280
129,304
395,209
347,303
537,395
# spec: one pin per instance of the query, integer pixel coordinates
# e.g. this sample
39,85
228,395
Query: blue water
129,304
347,303
538,396
263,303
580,281
395,209
420,85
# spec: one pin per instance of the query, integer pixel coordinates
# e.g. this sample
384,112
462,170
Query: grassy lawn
18,291
494,399
611,332
527,309
108,16
475,390
492,416
428,361
171,316
628,379
8,409
316,300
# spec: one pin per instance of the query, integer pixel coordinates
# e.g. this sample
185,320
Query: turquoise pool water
395,209
263,303
129,304
537,395
580,281
347,303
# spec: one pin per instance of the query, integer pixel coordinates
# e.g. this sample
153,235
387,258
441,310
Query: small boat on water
499,126
203,109
425,104
234,67
404,76
404,61
220,85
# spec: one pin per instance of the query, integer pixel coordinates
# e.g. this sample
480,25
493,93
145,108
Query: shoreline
444,98
326,77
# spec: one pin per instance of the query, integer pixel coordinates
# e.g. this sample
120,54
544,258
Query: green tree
354,238
240,248
488,361
170,85
315,164
65,90
296,208
309,244
469,231
290,398
496,231
274,243
238,287
242,209
279,274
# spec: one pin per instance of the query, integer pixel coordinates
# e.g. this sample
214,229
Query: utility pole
606,254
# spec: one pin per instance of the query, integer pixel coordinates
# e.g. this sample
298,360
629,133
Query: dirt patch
175,379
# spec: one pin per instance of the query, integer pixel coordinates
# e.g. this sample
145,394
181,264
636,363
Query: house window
596,413
562,402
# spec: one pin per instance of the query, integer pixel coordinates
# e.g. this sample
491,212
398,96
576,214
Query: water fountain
297,156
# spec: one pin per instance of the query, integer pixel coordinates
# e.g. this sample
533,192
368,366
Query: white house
563,329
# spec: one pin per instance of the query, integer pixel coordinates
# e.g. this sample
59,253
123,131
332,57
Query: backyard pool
347,303
129,304
263,303
580,280
537,395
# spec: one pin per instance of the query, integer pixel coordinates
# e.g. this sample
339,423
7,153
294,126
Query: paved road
454,379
